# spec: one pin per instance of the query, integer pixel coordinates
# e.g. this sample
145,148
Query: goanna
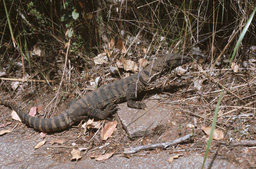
101,102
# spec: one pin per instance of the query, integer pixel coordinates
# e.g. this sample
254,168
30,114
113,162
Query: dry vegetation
54,51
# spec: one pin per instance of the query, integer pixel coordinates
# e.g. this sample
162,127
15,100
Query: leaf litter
108,130
40,144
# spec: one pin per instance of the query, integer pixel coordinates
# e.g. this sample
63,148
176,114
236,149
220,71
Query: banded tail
54,124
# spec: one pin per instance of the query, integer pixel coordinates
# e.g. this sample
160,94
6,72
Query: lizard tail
50,125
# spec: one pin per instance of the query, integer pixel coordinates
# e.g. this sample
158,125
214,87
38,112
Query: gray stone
139,123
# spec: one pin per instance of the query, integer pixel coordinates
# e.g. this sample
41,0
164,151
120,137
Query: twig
244,143
248,143
164,145
25,80
59,146
238,108
24,18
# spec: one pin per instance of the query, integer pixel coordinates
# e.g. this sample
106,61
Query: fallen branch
164,145
248,143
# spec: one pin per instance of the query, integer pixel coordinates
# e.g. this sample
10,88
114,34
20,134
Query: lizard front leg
131,96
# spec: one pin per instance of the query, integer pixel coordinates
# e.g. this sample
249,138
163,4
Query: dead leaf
36,50
190,126
76,155
83,148
198,84
15,116
88,123
235,67
89,16
144,50
93,155
174,157
101,59
66,35
143,62
39,108
113,70
2,73
91,124
120,45
217,134
108,130
129,65
32,111
81,4
104,157
15,85
119,64
97,81
123,50
3,132
57,141
180,71
42,135
111,43
40,144
251,61
104,38
253,48
67,44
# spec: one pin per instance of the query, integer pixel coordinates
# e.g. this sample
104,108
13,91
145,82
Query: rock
139,123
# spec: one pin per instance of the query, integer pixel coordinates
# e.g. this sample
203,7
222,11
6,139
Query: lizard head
162,64
169,62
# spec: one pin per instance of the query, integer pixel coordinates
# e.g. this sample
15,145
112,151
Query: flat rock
139,123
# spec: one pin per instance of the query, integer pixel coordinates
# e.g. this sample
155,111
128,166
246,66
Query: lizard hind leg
100,113
109,110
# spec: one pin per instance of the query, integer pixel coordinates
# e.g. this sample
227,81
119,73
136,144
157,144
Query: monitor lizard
101,102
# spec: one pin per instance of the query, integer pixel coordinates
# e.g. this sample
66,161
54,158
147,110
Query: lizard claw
136,104
111,108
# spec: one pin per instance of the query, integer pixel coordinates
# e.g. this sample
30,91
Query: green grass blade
212,128
242,35
9,24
